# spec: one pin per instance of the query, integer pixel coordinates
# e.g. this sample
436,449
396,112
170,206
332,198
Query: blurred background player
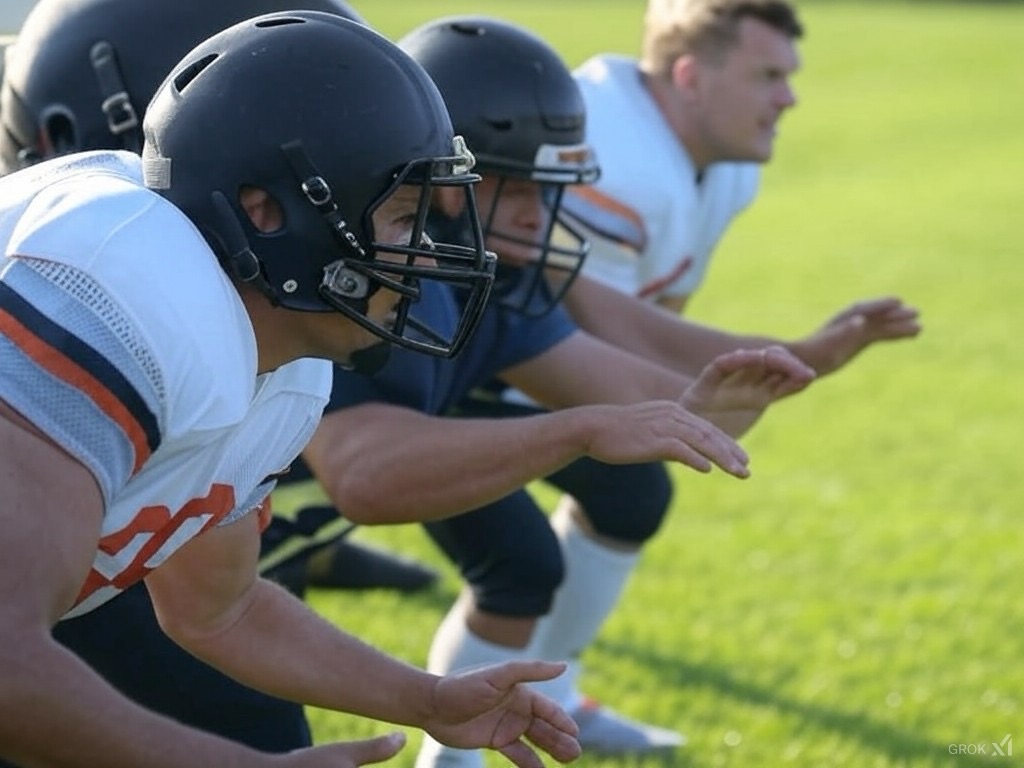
680,135
682,132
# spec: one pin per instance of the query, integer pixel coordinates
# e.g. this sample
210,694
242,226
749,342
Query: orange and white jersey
653,226
123,340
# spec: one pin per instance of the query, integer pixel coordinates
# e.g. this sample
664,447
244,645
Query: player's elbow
357,496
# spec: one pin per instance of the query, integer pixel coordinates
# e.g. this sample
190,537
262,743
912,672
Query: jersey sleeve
75,371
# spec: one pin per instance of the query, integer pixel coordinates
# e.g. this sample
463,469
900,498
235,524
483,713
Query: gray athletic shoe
605,732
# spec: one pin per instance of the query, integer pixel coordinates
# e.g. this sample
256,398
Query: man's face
514,217
393,224
741,95
337,340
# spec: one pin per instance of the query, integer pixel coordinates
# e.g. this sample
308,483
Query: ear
450,200
685,74
263,210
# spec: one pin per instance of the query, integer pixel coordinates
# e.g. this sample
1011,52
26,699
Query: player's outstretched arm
57,711
207,599
685,346
735,389
451,465
853,330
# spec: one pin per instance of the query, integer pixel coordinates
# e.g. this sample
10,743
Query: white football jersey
124,341
652,224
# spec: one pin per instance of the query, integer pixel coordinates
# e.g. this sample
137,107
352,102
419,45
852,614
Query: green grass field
857,602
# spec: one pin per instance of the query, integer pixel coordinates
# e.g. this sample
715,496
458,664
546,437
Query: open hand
493,707
854,329
661,430
734,389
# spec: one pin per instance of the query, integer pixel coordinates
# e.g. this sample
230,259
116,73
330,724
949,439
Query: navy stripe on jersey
65,356
73,300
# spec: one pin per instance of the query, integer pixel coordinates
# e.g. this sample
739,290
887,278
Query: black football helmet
330,118
80,72
519,108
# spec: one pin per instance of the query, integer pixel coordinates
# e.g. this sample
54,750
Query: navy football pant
507,551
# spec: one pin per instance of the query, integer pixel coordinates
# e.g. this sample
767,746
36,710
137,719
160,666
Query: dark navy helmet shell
80,72
329,118
521,112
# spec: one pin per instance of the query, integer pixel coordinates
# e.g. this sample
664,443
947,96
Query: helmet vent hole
279,22
469,29
191,72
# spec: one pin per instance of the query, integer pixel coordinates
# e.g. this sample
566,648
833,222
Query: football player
524,119
166,330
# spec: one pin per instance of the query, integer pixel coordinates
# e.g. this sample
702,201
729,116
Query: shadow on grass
897,743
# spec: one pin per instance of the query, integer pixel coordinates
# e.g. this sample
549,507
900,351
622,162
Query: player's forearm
58,713
391,465
651,331
280,646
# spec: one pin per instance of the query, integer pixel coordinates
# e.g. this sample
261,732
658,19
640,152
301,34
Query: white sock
455,647
595,576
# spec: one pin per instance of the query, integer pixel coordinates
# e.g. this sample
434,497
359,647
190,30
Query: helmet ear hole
262,208
59,133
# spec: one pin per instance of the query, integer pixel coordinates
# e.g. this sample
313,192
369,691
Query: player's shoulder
75,209
605,67
138,263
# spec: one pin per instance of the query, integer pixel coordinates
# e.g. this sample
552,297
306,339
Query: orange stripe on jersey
157,525
656,287
56,362
613,208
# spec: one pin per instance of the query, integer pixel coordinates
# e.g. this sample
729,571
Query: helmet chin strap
318,193
236,255
122,117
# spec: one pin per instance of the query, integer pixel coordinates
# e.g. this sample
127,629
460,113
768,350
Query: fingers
546,724
366,752
664,430
899,324
885,318
556,742
765,363
779,361
521,755
504,676
377,750
562,746
712,445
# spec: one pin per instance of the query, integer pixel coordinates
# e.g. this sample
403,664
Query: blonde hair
675,28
